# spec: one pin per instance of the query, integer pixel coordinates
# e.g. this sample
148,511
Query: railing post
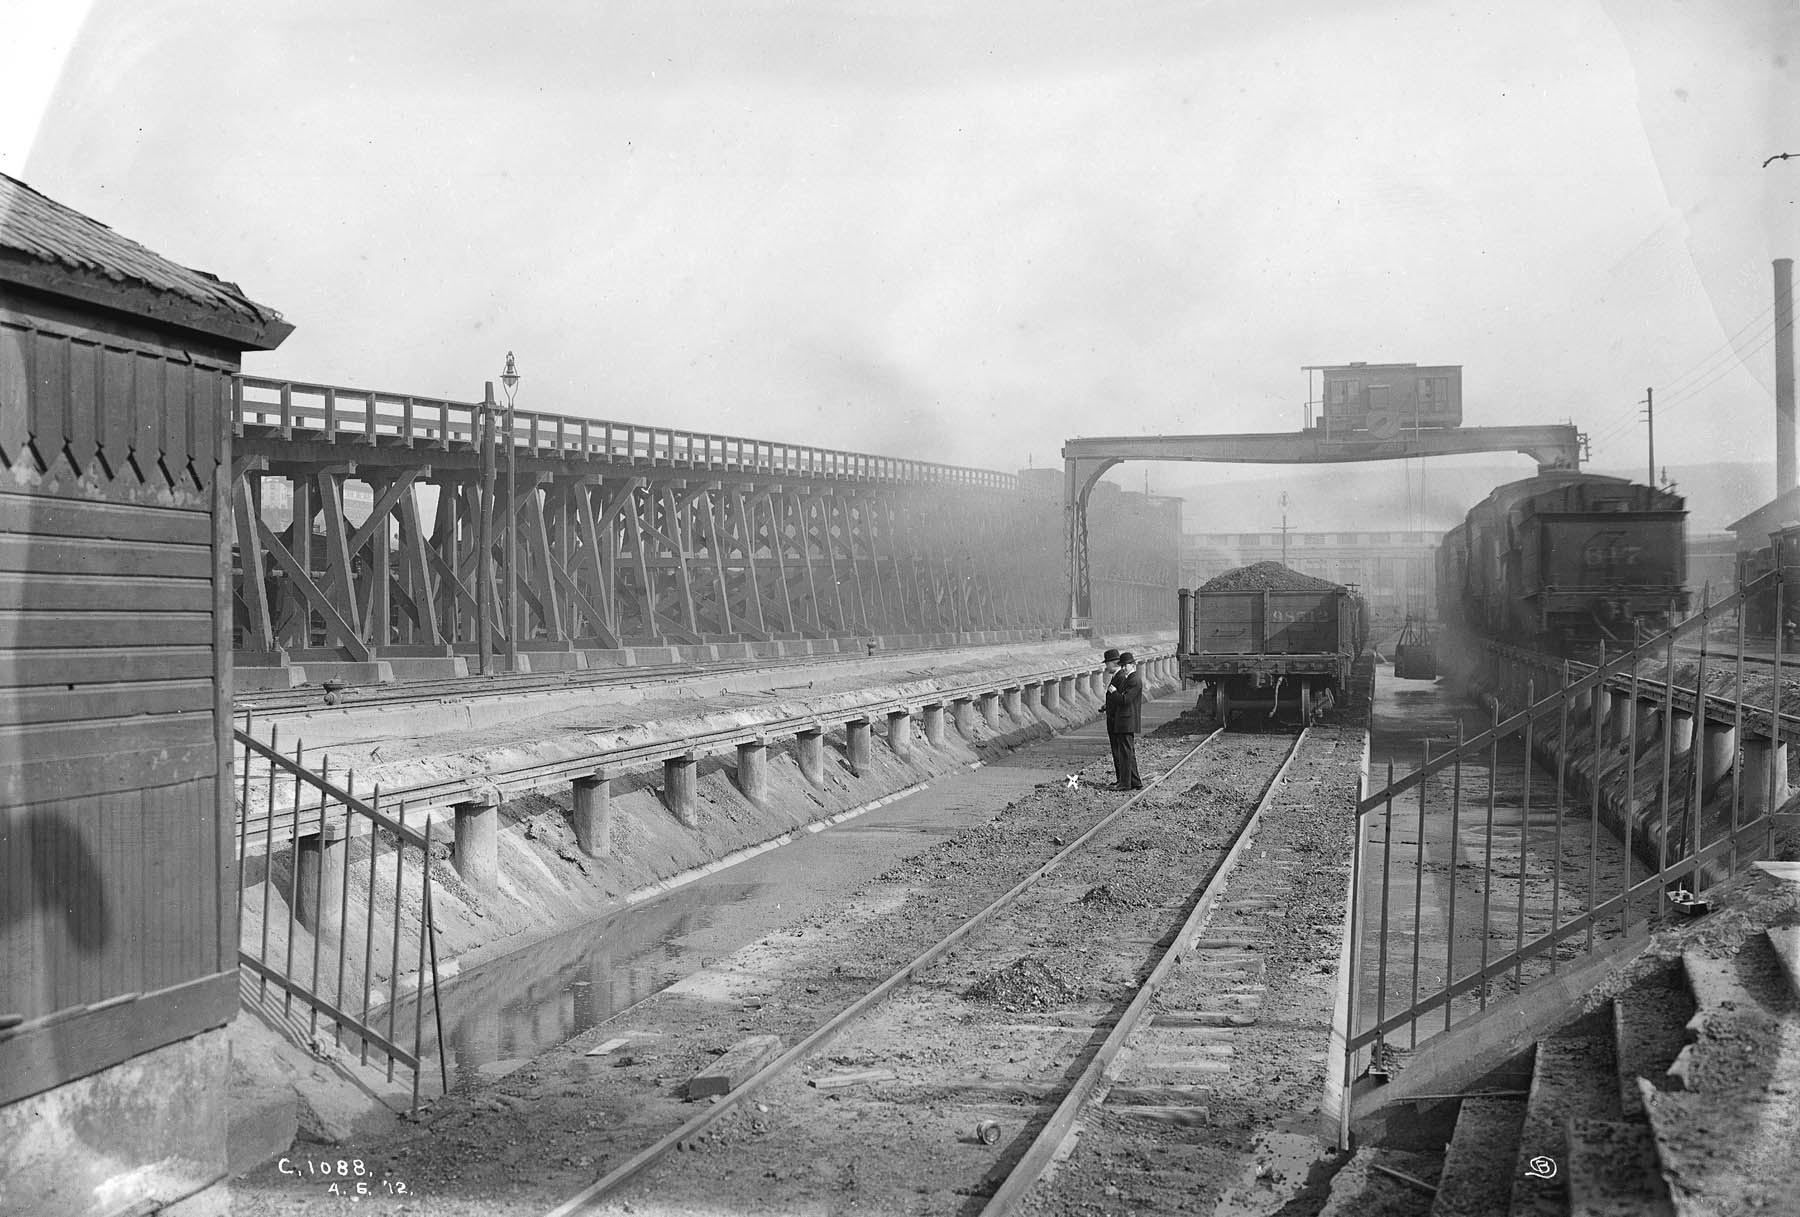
593,814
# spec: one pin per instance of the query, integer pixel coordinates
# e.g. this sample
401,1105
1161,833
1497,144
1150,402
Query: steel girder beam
1555,446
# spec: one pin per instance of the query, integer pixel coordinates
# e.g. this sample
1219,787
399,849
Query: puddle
501,1015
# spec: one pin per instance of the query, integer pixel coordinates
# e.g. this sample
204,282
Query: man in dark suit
1124,718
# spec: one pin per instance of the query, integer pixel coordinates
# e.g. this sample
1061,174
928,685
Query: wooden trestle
625,536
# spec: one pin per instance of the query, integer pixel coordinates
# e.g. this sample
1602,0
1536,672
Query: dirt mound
1119,894
1267,577
1135,845
1024,984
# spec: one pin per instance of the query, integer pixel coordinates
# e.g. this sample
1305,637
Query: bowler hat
1111,656
1127,657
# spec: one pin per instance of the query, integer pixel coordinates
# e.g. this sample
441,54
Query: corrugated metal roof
42,228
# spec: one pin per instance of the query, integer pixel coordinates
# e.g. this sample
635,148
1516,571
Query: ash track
307,698
994,1033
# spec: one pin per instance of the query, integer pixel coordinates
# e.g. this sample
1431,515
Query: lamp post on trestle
484,533
509,378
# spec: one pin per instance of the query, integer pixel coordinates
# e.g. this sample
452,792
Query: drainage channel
500,1015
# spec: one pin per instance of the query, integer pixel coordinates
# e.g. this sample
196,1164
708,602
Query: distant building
1392,569
1752,531
1711,565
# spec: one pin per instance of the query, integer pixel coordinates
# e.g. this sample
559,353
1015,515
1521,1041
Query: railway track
964,1073
271,704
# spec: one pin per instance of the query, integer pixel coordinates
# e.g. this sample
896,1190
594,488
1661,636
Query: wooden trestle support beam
615,561
627,535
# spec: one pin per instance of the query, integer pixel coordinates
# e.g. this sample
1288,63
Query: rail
1690,781
313,895
298,410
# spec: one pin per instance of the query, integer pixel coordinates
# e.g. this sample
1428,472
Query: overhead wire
1700,370
1687,394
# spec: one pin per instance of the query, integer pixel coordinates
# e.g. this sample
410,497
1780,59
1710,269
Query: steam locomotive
1565,560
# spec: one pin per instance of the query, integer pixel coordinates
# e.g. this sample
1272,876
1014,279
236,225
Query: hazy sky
959,231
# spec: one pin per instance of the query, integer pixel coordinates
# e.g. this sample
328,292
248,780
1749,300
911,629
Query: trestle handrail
412,419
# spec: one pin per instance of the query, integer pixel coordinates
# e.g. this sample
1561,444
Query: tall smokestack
1784,375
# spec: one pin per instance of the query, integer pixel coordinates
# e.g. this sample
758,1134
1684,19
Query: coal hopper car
1276,644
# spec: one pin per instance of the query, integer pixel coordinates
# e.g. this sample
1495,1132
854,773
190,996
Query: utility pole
1284,527
1649,404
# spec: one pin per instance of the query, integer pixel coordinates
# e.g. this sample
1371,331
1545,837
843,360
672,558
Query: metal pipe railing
1701,833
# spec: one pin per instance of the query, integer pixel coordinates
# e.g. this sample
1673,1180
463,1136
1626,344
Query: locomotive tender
1565,559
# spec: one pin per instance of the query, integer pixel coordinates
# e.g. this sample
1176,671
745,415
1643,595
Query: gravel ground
1272,966
991,1033
546,1131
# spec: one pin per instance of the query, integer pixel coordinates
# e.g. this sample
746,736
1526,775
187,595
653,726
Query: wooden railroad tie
734,1068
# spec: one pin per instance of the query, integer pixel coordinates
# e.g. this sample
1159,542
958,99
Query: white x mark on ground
1074,780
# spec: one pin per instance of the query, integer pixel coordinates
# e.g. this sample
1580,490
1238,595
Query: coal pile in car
1267,577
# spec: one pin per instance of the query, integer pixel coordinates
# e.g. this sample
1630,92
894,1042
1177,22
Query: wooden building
118,936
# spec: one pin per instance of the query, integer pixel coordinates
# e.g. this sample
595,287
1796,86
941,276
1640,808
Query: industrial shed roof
56,249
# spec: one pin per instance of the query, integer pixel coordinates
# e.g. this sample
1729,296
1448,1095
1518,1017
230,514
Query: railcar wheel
1306,702
1221,704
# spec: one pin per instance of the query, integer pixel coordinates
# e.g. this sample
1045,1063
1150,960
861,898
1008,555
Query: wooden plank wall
116,883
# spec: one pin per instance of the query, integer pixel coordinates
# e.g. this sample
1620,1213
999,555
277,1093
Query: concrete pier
319,880
476,852
811,749
964,712
1765,774
990,709
1013,701
1681,732
679,774
593,814
860,745
1618,707
1051,692
934,725
899,732
753,770
1717,753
